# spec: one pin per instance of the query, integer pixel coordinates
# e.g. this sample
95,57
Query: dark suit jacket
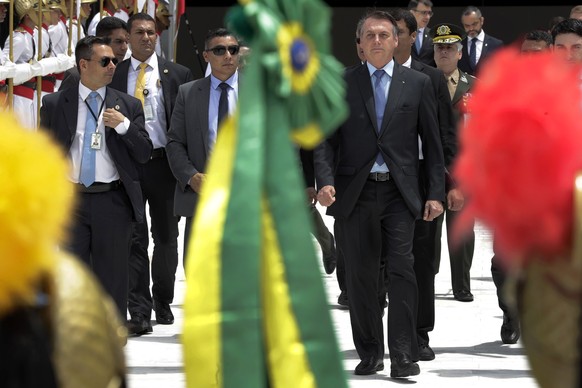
58,116
426,55
188,147
490,45
445,115
172,75
410,111
71,78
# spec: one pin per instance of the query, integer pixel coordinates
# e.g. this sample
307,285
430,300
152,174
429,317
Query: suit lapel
394,93
203,97
71,108
365,85
165,80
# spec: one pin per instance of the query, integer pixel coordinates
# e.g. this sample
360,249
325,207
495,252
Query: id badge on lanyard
148,109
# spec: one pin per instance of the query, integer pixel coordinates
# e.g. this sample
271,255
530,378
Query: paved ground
469,352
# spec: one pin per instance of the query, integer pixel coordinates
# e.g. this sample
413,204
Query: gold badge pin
117,107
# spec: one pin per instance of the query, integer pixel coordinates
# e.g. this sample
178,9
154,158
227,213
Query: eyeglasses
105,61
221,50
425,13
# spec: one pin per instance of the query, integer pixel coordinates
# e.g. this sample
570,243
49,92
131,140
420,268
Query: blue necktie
87,176
380,104
418,42
473,53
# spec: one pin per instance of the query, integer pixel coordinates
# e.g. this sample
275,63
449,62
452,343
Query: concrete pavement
469,352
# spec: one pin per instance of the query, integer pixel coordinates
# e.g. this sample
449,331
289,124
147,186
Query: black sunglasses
221,50
105,61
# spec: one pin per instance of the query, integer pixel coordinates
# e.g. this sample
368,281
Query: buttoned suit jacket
490,45
351,150
58,116
172,75
426,54
188,144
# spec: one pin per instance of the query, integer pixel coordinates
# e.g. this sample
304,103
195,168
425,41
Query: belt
158,153
379,176
99,187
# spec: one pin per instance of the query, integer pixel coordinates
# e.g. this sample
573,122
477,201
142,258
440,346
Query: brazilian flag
256,313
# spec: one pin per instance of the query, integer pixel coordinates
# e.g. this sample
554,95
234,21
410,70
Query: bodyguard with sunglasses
154,81
200,108
101,130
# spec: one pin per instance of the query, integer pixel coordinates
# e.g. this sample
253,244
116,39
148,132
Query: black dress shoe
329,264
369,366
425,353
510,332
402,366
342,299
139,324
464,296
164,315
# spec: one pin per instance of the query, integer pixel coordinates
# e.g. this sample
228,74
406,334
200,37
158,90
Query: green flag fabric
256,312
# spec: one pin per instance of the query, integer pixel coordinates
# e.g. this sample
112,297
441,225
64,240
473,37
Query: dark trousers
424,251
460,254
499,276
101,236
322,234
340,268
380,224
157,183
187,235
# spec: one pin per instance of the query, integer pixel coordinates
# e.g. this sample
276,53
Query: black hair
407,17
539,36
106,26
84,48
216,33
139,16
567,26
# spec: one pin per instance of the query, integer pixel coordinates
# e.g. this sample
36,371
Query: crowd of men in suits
111,112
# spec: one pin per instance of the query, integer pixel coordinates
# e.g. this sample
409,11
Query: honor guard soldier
24,51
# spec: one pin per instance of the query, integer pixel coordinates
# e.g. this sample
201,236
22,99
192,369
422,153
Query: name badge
96,141
148,111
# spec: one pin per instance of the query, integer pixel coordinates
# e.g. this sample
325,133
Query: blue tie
418,42
473,53
88,157
380,104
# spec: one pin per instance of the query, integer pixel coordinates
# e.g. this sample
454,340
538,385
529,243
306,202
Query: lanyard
93,113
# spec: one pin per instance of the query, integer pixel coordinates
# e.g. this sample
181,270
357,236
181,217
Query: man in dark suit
196,119
115,30
426,244
102,132
157,88
422,50
372,160
477,45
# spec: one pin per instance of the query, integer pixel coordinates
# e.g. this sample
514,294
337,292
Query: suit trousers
460,254
499,277
426,250
380,225
340,268
101,237
157,184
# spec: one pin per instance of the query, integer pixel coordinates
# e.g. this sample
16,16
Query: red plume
520,151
